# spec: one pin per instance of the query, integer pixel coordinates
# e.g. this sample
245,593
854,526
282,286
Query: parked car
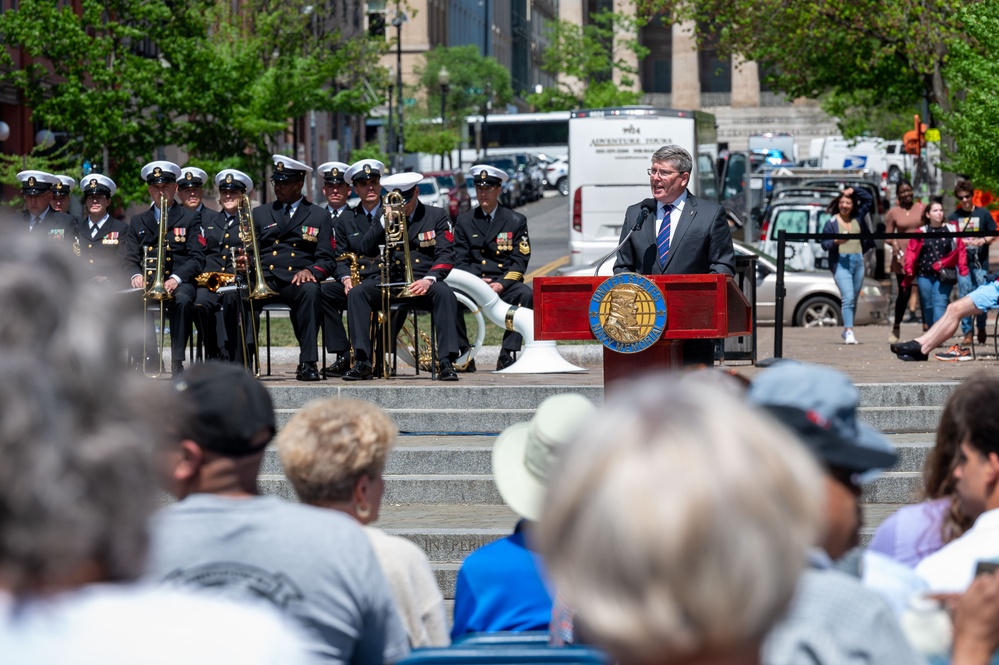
557,176
458,198
797,215
812,298
523,178
430,194
531,166
470,188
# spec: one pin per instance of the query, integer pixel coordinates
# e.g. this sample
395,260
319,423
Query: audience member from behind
77,488
833,618
315,565
503,585
953,567
916,531
333,452
677,523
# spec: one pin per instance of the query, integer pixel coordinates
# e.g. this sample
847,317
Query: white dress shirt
952,567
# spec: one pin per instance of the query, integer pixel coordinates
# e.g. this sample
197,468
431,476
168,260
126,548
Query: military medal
504,241
57,234
110,239
310,233
180,234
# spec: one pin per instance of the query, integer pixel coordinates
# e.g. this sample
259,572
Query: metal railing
784,237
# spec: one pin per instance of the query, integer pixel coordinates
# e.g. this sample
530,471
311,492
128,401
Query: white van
610,151
868,153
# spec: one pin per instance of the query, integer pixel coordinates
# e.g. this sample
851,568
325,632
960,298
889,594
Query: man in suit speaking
676,233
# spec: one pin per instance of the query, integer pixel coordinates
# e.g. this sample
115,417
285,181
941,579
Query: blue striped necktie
662,240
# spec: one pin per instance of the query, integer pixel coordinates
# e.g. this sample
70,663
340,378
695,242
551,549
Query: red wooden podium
697,306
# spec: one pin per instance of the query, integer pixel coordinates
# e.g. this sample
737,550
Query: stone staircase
439,490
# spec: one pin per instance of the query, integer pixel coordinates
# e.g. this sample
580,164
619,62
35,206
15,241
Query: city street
548,224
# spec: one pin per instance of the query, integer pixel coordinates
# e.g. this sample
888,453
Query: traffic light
915,138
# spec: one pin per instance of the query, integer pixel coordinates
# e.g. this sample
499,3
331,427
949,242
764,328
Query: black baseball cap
228,408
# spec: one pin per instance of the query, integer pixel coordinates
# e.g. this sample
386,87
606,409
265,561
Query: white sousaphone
538,357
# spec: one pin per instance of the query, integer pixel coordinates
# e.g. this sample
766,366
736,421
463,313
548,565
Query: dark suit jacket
288,247
701,244
431,243
184,250
499,251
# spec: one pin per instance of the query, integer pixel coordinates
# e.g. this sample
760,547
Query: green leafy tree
271,62
95,78
474,80
974,123
126,77
586,53
895,52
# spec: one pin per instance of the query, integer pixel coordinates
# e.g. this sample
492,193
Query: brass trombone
260,290
396,234
157,290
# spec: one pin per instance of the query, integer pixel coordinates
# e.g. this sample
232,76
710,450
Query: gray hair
678,522
675,156
77,482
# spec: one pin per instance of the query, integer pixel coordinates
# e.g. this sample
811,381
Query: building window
715,69
657,67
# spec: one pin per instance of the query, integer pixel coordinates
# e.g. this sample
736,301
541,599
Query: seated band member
207,307
60,194
334,291
349,228
431,246
183,253
491,242
39,215
101,237
190,188
292,258
232,185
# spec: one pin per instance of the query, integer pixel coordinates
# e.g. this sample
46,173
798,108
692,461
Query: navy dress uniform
184,253
332,291
431,246
101,242
492,243
39,217
288,233
225,244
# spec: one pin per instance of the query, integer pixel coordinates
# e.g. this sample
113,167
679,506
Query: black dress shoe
908,357
339,368
468,368
176,367
361,371
505,359
307,372
447,371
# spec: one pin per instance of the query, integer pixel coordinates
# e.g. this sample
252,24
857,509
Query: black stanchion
784,237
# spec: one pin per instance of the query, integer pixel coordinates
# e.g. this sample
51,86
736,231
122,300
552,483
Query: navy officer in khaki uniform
431,246
334,291
184,253
293,260
39,216
491,242
101,237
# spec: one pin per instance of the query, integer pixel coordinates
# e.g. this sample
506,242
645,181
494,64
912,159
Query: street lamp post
390,141
444,79
485,118
399,19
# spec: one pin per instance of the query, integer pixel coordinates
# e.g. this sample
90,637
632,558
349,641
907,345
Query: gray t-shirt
316,565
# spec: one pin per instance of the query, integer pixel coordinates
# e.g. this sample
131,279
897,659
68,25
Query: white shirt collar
677,203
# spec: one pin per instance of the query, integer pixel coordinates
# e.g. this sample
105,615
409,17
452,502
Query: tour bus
505,133
610,151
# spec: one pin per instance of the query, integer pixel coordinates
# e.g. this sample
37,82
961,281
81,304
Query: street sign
410,101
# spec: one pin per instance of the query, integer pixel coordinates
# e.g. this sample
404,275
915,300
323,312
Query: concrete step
468,419
427,396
